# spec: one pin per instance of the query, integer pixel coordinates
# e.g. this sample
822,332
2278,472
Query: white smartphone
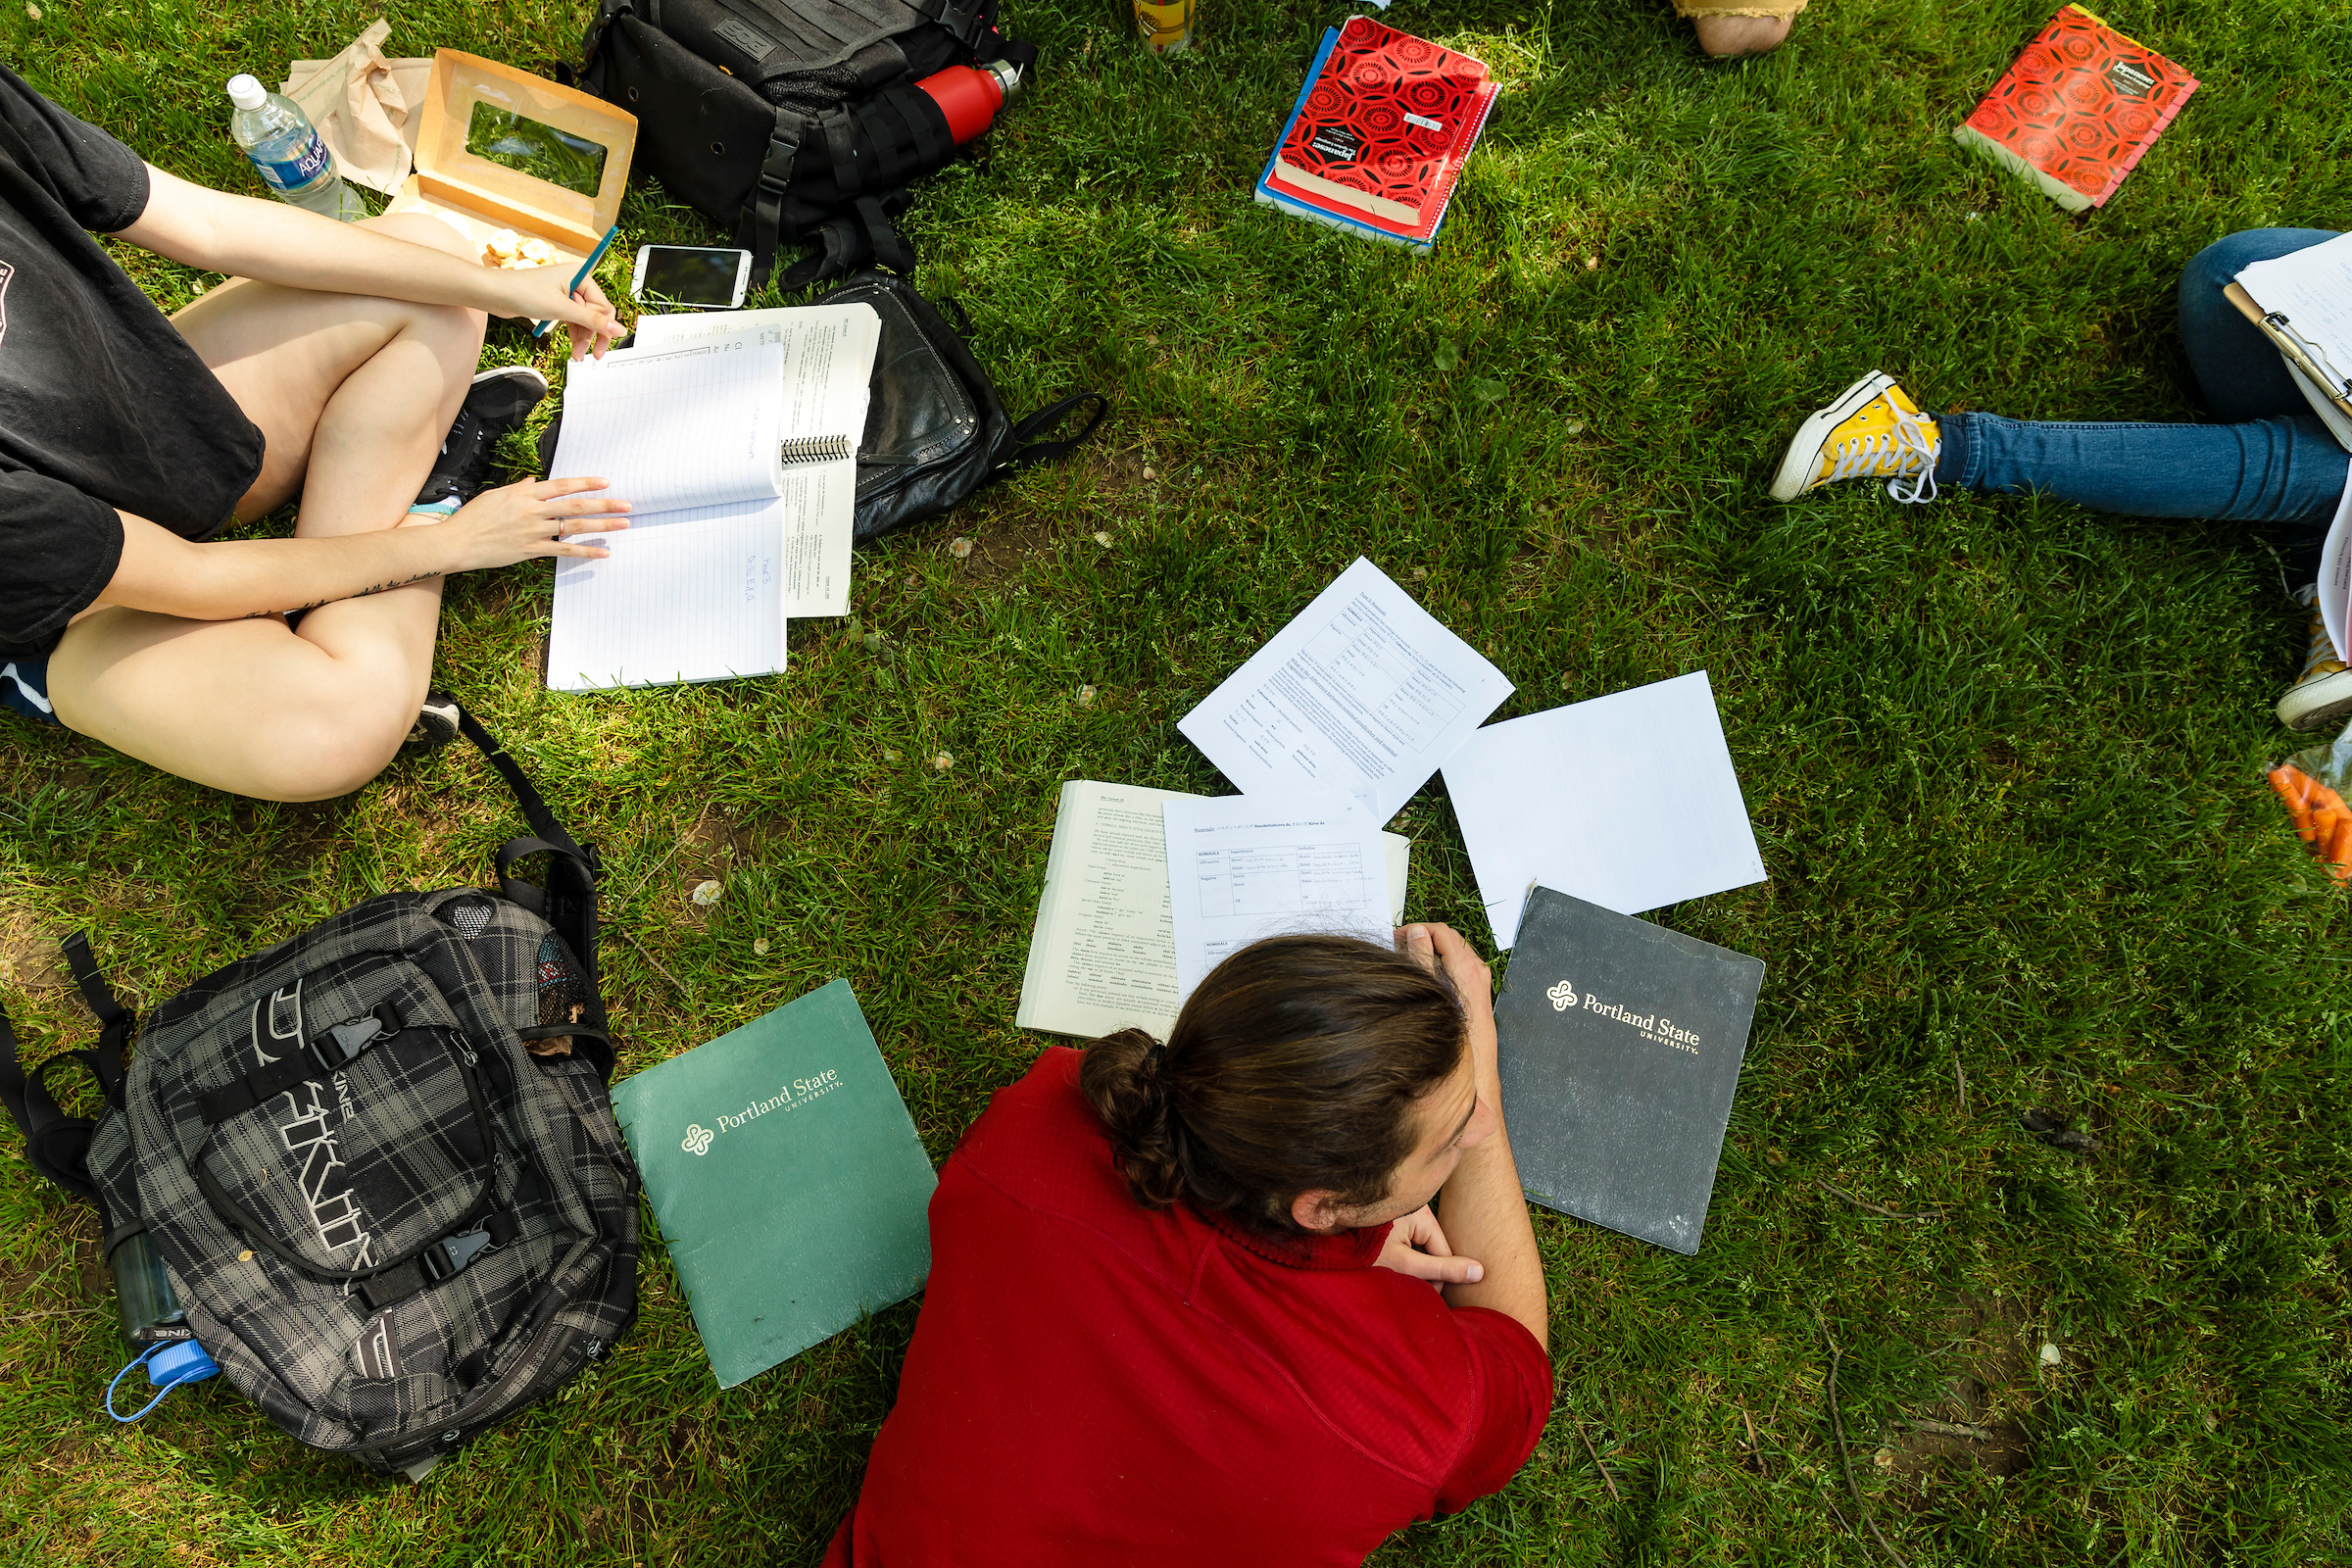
698,278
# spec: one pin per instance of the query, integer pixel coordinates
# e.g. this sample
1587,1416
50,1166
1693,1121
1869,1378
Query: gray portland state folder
1620,1047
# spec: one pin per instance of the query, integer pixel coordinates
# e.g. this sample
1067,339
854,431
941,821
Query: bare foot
1727,37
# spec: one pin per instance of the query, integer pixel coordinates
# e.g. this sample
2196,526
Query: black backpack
791,119
377,1160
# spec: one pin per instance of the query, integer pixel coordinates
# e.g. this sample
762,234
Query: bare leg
1730,36
353,395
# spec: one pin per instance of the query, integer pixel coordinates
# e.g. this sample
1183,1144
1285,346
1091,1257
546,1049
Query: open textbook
736,449
1102,955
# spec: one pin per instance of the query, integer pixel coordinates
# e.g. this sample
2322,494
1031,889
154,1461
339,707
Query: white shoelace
1907,443
2317,647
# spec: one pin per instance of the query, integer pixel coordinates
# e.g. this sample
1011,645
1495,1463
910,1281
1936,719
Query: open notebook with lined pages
734,439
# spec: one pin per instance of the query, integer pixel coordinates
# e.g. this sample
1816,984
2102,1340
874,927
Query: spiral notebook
734,438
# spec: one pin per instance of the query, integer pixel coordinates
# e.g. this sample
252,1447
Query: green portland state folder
787,1178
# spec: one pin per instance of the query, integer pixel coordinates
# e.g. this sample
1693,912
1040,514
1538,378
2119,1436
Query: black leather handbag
935,429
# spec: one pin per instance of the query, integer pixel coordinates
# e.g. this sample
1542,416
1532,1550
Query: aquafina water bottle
285,146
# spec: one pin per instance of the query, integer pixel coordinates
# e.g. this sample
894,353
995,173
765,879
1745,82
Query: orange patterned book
2078,109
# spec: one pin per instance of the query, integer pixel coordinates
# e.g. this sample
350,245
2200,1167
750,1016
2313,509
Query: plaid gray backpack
377,1159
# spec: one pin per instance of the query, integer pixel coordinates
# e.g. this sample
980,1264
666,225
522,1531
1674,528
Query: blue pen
589,266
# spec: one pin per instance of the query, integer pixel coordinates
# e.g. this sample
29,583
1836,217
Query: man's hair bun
1124,1078
1295,1066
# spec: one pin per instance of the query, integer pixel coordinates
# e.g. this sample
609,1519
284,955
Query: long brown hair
1293,1068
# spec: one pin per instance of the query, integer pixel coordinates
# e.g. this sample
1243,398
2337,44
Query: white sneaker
2323,691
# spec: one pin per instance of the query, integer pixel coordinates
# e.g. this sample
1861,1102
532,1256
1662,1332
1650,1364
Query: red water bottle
969,96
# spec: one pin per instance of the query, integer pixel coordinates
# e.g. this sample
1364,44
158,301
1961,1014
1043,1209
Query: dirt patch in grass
1001,545
1975,1425
1007,538
28,955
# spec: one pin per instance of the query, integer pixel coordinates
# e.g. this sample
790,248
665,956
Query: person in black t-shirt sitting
329,367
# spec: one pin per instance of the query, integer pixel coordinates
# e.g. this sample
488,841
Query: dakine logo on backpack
395,1119
307,1122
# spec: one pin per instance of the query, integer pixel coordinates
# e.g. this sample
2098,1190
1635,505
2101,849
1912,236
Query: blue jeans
2270,459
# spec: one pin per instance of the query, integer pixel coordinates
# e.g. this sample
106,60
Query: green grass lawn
2004,758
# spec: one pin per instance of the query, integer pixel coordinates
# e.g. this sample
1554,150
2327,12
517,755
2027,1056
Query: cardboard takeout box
485,124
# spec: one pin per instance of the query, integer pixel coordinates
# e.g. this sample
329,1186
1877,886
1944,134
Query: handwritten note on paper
1245,867
1364,692
2313,289
1626,800
695,597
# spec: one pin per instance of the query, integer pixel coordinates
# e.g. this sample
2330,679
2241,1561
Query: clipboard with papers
2303,304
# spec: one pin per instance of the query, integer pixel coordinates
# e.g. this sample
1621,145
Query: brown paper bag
365,107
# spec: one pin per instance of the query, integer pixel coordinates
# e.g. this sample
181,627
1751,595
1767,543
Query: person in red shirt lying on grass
1262,1294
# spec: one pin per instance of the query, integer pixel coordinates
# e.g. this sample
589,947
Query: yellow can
1166,29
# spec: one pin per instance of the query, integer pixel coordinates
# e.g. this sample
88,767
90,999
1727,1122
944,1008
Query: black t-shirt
102,405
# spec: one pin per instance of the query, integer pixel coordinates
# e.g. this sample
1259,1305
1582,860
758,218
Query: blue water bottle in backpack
153,1323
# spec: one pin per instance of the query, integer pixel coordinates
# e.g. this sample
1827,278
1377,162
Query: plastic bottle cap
246,92
182,1361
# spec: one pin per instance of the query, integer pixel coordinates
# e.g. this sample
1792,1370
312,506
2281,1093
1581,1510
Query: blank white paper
1242,866
1364,692
1626,801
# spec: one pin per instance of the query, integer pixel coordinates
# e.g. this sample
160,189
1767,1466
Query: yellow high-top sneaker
2324,689
1870,430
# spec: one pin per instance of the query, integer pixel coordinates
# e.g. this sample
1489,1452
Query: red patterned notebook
2078,109
1380,135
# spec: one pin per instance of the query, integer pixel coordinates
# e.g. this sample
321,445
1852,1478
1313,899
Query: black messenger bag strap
56,1145
1027,451
568,900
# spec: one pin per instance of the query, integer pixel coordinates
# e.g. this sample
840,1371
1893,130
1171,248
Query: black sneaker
435,727
495,406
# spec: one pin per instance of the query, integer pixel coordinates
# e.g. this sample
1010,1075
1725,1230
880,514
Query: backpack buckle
963,22
342,1043
452,1254
775,169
